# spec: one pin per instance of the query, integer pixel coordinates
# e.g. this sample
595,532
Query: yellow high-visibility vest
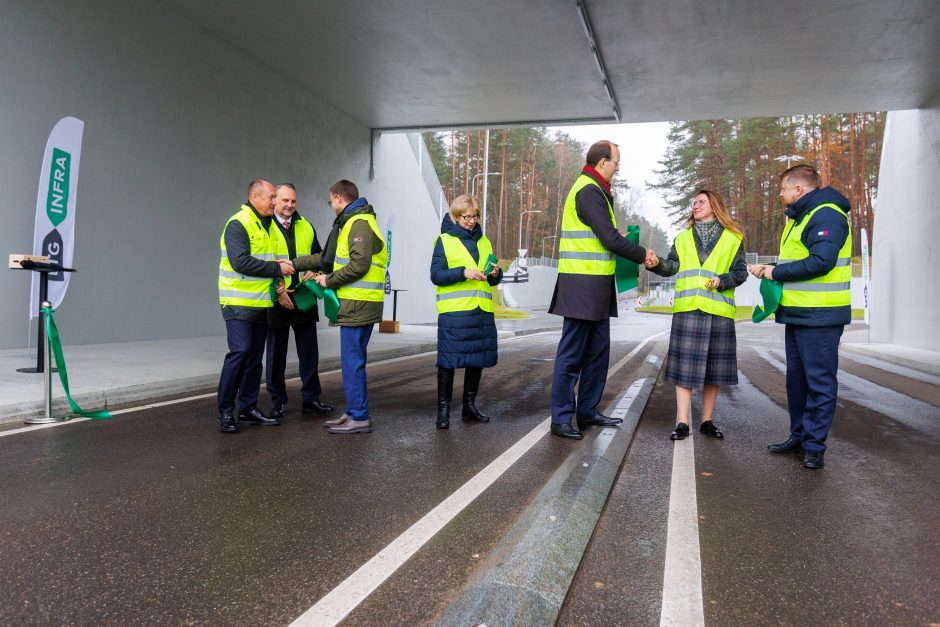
304,234
371,287
691,293
239,289
833,289
468,294
579,249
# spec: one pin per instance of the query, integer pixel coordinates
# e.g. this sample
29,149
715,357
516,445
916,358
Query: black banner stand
43,269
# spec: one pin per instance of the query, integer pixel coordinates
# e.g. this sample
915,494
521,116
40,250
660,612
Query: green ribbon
307,293
52,336
771,291
626,272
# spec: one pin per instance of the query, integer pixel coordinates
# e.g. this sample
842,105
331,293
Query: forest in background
536,169
739,159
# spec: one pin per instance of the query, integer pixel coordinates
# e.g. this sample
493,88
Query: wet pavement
156,518
855,543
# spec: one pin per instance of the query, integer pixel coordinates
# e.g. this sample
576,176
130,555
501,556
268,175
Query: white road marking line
344,598
683,602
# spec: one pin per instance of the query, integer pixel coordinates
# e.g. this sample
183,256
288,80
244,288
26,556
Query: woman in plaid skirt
708,261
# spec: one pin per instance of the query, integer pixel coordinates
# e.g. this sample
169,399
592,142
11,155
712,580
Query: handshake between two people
652,261
283,293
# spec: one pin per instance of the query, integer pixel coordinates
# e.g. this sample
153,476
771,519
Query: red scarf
600,179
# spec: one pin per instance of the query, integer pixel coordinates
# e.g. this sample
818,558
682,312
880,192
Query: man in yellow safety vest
815,268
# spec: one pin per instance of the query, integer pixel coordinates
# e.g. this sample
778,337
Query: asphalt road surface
856,543
155,518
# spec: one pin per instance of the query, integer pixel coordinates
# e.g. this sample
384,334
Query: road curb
192,386
526,578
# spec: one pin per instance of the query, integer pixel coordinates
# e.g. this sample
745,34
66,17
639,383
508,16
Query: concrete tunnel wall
176,124
905,290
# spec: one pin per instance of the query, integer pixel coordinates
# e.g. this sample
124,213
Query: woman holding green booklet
464,270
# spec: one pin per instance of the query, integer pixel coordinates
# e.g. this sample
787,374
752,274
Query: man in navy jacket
819,273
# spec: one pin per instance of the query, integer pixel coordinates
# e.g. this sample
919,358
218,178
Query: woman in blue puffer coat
466,326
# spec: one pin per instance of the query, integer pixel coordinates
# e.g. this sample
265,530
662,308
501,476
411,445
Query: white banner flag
866,286
54,234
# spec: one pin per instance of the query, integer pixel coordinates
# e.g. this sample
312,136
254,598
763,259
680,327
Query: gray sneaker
335,422
353,426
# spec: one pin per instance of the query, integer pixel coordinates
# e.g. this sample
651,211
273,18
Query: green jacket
362,245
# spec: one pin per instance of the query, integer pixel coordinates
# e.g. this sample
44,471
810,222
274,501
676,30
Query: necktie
287,224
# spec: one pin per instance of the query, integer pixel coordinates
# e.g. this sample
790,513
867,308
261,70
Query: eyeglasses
468,218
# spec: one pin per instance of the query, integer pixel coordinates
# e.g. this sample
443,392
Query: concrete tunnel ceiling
408,64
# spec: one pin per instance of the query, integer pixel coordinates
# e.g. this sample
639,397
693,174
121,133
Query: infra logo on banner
54,234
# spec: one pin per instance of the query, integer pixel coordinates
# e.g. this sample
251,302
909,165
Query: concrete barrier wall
905,250
176,124
536,293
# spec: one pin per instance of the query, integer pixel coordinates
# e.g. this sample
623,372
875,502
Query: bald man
247,275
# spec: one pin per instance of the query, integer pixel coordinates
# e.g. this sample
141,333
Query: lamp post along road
788,159
473,183
543,243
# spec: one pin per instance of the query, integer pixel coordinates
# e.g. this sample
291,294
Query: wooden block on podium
389,326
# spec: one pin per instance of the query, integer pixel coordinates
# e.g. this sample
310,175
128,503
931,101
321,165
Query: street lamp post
473,184
788,159
521,217
543,242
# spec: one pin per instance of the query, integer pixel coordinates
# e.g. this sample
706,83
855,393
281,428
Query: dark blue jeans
582,359
353,342
812,366
241,370
308,354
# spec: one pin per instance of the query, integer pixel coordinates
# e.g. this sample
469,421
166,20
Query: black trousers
308,354
241,370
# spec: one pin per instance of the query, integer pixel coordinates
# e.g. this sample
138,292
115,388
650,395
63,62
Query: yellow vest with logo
691,293
579,249
371,287
833,289
466,295
304,234
239,289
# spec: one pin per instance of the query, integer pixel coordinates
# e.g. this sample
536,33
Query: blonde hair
721,212
461,204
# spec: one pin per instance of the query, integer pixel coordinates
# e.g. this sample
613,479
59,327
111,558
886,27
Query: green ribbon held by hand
627,273
52,336
771,291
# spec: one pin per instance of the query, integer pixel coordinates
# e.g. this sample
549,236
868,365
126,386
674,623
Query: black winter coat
465,339
588,297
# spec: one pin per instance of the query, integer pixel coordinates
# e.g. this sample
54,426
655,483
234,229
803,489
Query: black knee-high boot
471,385
445,390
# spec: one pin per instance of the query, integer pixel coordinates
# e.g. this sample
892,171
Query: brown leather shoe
335,422
353,426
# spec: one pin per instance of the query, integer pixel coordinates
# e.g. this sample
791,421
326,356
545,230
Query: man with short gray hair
247,272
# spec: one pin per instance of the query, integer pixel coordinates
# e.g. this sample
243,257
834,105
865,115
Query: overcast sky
642,146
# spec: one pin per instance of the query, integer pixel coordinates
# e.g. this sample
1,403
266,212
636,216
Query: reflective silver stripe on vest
283,257
466,294
569,254
705,294
366,285
840,263
265,256
345,261
700,272
246,295
578,235
799,286
231,274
